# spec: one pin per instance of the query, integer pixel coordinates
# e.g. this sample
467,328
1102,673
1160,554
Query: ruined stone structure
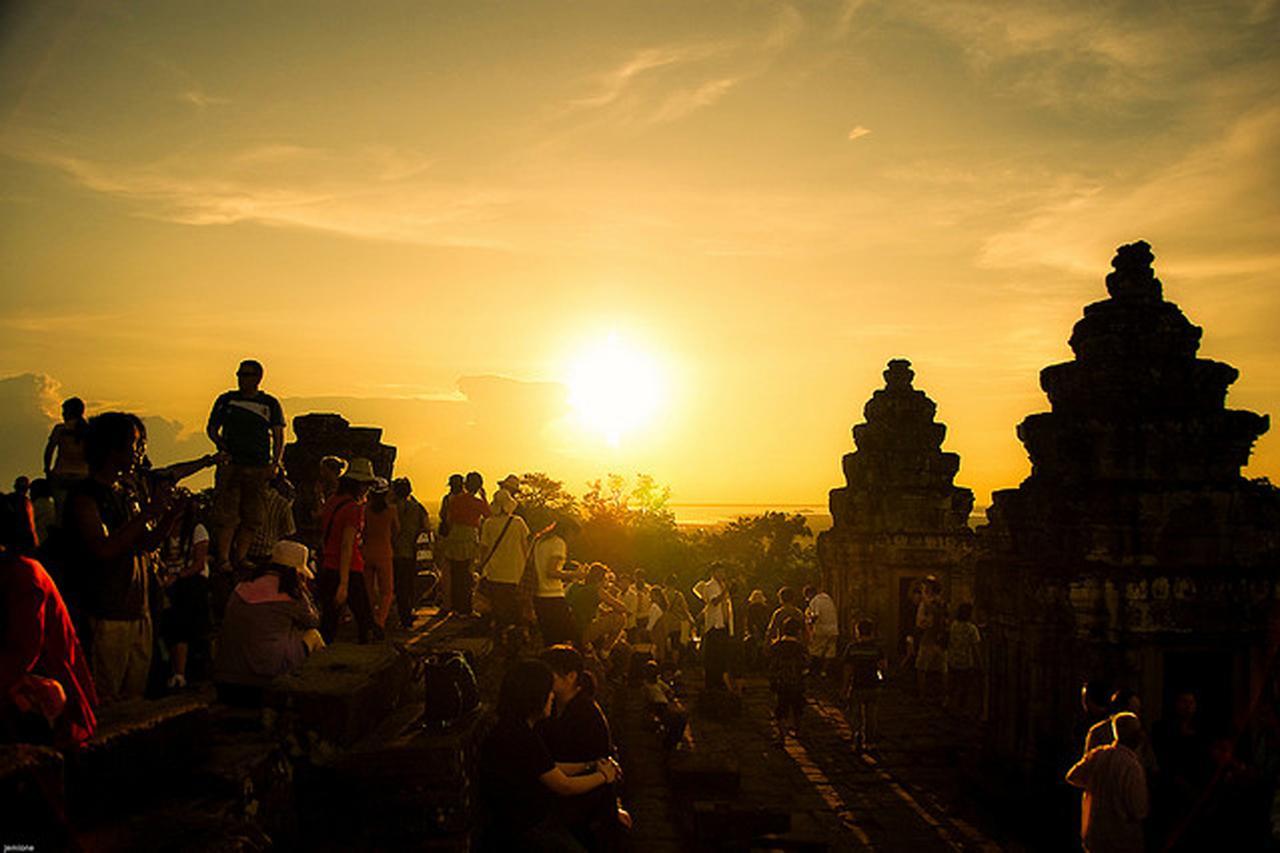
320,435
1134,552
899,517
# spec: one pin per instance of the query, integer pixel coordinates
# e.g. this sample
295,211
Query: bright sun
614,389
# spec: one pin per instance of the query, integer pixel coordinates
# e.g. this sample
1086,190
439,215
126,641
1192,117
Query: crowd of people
119,583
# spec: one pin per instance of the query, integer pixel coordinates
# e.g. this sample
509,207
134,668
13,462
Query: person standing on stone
466,510
67,442
787,664
1114,802
716,621
247,425
964,663
381,525
111,537
550,553
931,656
864,666
824,629
311,503
414,523
456,486
504,543
678,619
341,579
277,518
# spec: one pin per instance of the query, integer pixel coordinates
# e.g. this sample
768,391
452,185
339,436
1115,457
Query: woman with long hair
520,782
381,524
577,735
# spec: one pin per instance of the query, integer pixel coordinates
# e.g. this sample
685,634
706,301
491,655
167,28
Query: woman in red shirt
341,578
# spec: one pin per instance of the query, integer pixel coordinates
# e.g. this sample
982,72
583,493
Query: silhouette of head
1127,729
72,409
249,375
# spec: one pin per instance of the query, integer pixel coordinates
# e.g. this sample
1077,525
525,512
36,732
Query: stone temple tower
899,517
1135,553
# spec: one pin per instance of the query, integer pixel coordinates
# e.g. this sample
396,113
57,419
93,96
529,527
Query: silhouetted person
788,661
111,536
864,665
341,578
1115,802
414,523
64,461
247,425
824,628
964,663
787,609
717,619
467,509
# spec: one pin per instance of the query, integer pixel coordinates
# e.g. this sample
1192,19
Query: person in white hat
341,560
270,623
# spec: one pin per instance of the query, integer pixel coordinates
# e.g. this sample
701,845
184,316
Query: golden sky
427,211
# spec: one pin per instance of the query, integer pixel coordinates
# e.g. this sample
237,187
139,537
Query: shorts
823,646
239,496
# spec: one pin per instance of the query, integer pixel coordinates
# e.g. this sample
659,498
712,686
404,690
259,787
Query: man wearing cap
247,425
511,483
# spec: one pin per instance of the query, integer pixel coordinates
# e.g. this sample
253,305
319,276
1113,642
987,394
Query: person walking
1114,803
824,629
864,666
716,621
341,579
787,664
415,522
247,424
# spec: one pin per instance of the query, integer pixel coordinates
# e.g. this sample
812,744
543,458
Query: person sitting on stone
46,692
519,780
598,614
270,625
660,701
577,735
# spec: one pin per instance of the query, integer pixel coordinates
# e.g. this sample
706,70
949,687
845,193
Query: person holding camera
112,531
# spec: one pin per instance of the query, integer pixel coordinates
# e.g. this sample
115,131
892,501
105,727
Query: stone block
694,774
141,747
342,693
727,821
33,808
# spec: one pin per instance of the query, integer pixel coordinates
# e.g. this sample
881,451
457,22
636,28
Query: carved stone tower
899,517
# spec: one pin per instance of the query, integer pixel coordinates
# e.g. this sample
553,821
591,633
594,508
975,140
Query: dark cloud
28,404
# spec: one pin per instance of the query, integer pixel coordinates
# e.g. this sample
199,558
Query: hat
286,552
337,463
361,470
511,482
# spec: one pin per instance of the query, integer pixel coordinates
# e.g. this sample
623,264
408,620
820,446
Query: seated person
577,735
46,692
270,623
661,701
520,782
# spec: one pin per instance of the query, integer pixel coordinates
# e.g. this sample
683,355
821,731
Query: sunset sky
433,216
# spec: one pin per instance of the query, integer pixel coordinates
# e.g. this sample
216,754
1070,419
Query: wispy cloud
859,132
200,99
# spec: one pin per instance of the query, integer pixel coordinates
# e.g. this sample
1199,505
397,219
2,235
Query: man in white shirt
716,622
550,554
504,538
824,628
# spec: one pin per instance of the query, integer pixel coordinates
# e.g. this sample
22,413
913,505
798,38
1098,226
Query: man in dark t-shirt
247,427
864,665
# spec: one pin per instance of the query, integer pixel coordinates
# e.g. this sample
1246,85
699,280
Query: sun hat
361,470
503,503
336,463
291,554
509,481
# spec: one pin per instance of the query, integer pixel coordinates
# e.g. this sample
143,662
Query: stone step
252,773
206,825
695,774
804,836
724,821
33,805
142,748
